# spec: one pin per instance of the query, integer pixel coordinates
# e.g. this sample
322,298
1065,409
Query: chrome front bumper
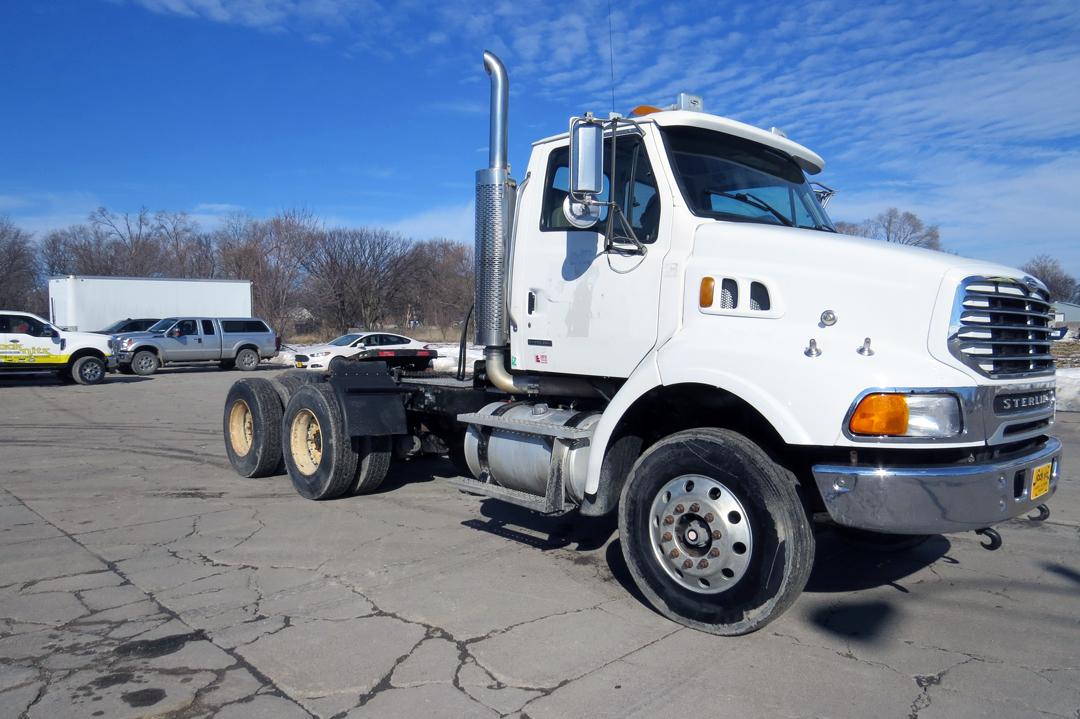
932,500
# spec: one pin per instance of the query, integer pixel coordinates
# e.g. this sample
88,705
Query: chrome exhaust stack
492,217
493,221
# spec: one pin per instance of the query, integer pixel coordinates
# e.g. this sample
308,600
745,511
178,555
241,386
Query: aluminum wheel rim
305,441
146,362
700,534
90,371
246,360
241,428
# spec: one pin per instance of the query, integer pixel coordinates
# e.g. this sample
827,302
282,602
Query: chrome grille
1001,328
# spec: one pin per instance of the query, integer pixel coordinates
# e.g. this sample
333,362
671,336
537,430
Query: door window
208,327
635,189
187,327
21,325
394,340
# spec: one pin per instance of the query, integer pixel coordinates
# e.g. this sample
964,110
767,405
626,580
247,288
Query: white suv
28,343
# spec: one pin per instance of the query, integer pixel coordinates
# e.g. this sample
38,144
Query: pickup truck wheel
714,532
319,456
88,370
145,363
372,463
247,359
252,428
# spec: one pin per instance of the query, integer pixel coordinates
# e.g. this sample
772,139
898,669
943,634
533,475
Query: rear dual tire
323,462
293,424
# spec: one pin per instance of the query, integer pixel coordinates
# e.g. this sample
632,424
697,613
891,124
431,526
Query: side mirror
586,157
54,333
586,172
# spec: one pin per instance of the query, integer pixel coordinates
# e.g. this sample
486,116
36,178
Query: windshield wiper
754,201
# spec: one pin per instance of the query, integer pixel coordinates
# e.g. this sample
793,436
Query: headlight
907,415
127,343
318,354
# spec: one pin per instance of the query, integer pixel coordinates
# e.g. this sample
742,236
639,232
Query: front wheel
145,363
714,533
88,370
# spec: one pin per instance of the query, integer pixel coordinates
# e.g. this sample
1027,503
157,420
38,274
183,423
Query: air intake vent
729,294
759,297
1001,328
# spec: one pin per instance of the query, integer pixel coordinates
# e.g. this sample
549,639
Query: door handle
14,342
199,340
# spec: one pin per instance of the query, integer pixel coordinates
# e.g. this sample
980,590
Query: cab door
577,308
28,342
183,342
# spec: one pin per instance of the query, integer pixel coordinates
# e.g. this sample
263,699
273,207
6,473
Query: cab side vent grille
729,294
759,297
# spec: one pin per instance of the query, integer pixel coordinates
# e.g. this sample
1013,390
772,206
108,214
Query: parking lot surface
139,576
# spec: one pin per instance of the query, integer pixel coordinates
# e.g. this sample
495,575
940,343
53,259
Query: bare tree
135,246
1062,286
903,228
438,288
356,275
21,271
186,252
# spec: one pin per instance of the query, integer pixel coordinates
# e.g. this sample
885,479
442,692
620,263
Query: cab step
553,503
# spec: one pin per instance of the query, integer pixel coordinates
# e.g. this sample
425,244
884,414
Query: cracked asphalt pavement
139,576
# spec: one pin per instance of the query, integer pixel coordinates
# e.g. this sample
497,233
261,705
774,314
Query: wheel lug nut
714,552
667,536
679,509
674,553
687,564
669,519
703,564
716,534
695,507
709,517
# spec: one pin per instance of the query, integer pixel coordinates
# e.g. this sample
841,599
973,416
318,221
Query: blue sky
374,111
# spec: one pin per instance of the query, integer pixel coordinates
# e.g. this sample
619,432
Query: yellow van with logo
29,343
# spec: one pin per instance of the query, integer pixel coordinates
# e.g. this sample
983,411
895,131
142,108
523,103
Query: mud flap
372,403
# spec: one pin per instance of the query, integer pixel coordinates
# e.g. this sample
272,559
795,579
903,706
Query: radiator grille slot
1001,328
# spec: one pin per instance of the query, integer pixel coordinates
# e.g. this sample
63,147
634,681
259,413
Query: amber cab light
880,414
707,292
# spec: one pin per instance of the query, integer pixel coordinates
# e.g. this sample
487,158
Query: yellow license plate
300,365
1040,480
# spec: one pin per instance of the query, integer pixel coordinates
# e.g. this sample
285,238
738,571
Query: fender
669,366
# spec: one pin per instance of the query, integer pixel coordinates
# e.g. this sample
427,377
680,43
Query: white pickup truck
29,343
675,332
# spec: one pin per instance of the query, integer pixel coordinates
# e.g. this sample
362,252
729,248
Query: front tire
714,533
318,453
145,363
252,428
88,370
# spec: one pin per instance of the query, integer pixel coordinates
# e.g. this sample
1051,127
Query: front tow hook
993,539
1044,514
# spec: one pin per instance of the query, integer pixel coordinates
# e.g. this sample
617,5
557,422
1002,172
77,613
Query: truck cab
29,343
674,333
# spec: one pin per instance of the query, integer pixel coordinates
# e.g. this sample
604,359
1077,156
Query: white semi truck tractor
675,333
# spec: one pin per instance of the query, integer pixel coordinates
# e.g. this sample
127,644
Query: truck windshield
162,325
730,178
344,340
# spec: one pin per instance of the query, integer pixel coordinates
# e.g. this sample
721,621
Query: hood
899,296
89,339
137,335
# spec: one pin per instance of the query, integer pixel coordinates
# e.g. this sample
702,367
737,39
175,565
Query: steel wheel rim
700,534
241,428
246,359
305,441
90,371
145,362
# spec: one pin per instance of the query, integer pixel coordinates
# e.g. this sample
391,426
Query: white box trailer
91,303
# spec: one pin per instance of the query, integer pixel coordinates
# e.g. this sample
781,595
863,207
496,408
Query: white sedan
317,357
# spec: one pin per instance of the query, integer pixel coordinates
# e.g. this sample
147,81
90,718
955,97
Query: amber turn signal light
707,291
880,414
